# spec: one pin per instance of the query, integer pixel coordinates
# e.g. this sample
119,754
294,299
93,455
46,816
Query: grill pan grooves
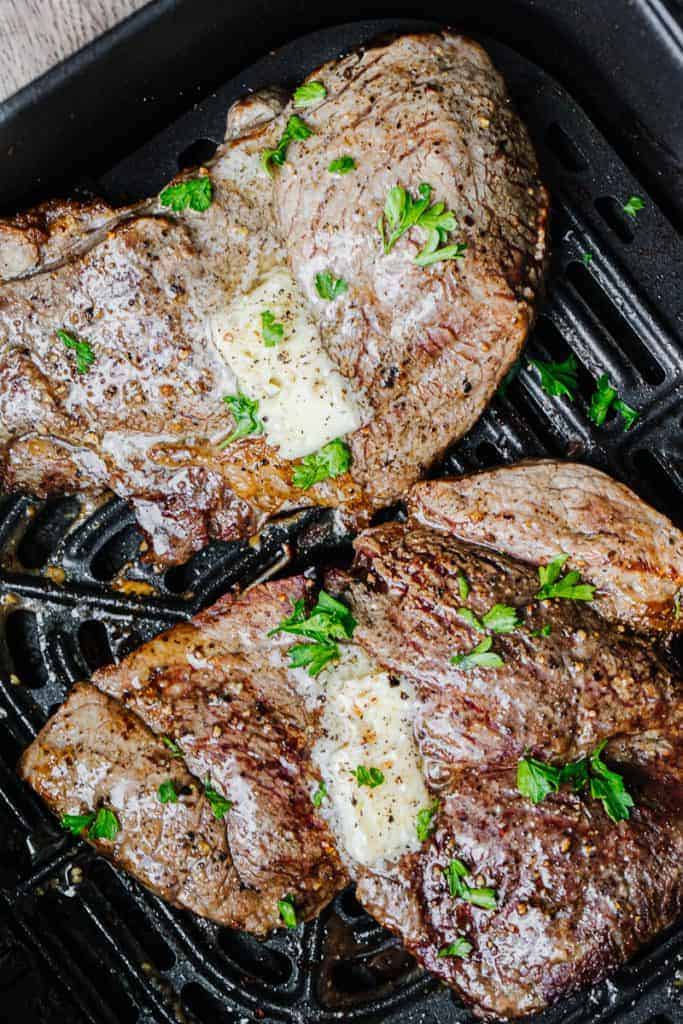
80,941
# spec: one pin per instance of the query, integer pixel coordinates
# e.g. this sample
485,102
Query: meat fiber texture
423,348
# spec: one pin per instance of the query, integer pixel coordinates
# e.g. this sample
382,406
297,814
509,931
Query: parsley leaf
219,805
197,193
176,752
558,378
85,356
329,621
461,947
608,786
501,618
627,413
308,93
329,287
543,631
633,204
342,165
402,212
425,824
271,331
601,400
105,826
587,259
569,587
456,871
247,419
319,795
371,777
535,779
480,656
332,460
463,586
167,792
295,129
76,823
576,773
287,911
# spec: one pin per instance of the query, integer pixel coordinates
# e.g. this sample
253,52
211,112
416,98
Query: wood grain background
37,34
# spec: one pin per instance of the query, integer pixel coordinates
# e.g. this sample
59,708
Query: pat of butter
368,720
304,402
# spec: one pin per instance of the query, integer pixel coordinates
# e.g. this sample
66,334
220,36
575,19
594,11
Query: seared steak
219,690
158,295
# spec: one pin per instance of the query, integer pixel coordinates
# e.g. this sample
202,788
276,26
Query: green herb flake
218,803
330,620
105,826
558,379
461,948
287,911
319,795
480,656
85,356
195,193
507,380
329,287
535,779
370,777
309,93
455,875
332,460
627,413
543,631
167,792
342,165
176,752
633,205
425,824
501,618
608,787
569,587
402,212
587,259
463,586
247,419
295,130
272,332
76,823
601,400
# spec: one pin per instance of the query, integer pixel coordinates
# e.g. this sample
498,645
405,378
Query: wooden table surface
37,34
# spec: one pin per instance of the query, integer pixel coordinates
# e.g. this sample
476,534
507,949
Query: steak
418,350
218,690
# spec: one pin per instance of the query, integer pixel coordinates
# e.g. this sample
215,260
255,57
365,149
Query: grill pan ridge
80,941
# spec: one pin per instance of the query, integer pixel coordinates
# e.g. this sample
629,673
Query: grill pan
80,941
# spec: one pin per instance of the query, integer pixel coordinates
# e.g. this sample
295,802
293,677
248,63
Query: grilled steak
218,688
409,355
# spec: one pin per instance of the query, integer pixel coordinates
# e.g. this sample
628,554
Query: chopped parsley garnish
176,752
461,947
272,332
633,205
195,193
319,795
463,586
342,165
587,259
167,792
603,398
308,93
425,824
568,587
455,874
501,618
247,419
558,378
219,805
543,631
102,824
295,129
329,621
536,780
480,656
287,911
85,356
329,287
402,212
368,776
332,460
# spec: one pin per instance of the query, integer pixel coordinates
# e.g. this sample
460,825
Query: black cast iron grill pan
80,941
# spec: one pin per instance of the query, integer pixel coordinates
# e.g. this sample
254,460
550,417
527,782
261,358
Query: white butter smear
304,402
368,720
